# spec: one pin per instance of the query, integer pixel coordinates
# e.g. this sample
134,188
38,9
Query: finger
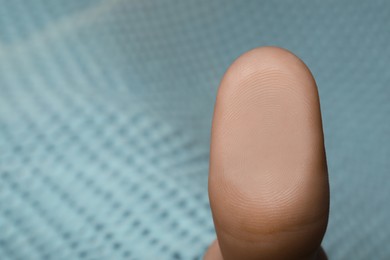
268,183
213,252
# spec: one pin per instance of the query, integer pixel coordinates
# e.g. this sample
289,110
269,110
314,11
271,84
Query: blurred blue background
106,108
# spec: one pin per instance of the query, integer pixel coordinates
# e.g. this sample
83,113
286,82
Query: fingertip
268,182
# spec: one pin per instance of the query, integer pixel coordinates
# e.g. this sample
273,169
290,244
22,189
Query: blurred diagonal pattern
105,114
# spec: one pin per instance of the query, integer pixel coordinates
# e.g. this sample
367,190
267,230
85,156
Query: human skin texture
268,181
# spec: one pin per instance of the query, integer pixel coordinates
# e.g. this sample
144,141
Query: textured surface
105,114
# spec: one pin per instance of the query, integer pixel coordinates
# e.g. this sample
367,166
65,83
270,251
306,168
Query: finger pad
267,163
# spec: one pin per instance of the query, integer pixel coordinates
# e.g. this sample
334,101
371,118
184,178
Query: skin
268,181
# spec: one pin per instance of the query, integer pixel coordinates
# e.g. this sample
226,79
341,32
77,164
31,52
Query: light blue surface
105,114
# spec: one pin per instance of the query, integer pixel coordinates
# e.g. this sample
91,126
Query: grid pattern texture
105,115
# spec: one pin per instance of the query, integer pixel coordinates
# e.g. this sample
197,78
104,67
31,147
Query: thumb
268,183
